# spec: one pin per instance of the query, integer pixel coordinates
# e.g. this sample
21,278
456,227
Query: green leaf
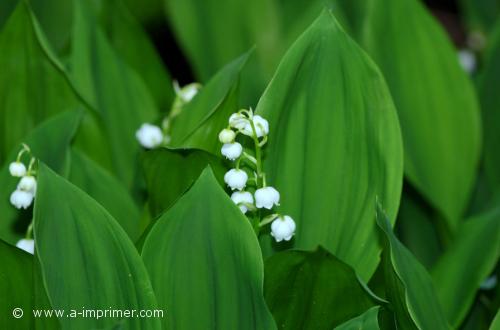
15,287
490,103
480,15
334,144
31,87
106,190
466,264
307,290
366,321
436,103
49,142
110,272
409,287
200,121
205,263
170,173
116,91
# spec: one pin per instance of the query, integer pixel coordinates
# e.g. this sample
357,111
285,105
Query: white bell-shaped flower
266,197
238,121
261,127
242,198
467,60
231,150
27,245
27,183
21,199
227,135
236,179
149,136
283,228
17,169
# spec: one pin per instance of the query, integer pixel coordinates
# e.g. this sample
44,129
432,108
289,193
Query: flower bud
283,228
21,199
231,150
27,245
242,198
149,136
17,169
236,179
188,92
227,135
27,183
266,197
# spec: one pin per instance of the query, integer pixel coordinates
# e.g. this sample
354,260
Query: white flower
266,197
27,183
283,228
467,60
238,121
227,135
261,127
17,169
27,245
188,92
231,150
241,198
21,199
149,136
236,179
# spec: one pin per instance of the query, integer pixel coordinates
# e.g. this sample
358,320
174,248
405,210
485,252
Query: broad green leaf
169,173
93,246
416,229
16,275
127,36
312,290
209,111
436,103
409,287
31,87
366,321
334,145
116,91
490,105
205,263
49,142
466,264
106,190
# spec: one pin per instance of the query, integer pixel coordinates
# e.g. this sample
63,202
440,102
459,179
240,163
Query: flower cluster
151,136
25,192
258,196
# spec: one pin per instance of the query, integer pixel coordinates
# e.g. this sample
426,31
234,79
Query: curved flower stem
29,231
258,154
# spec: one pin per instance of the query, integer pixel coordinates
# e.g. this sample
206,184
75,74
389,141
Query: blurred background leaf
205,264
436,103
31,86
334,145
467,263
